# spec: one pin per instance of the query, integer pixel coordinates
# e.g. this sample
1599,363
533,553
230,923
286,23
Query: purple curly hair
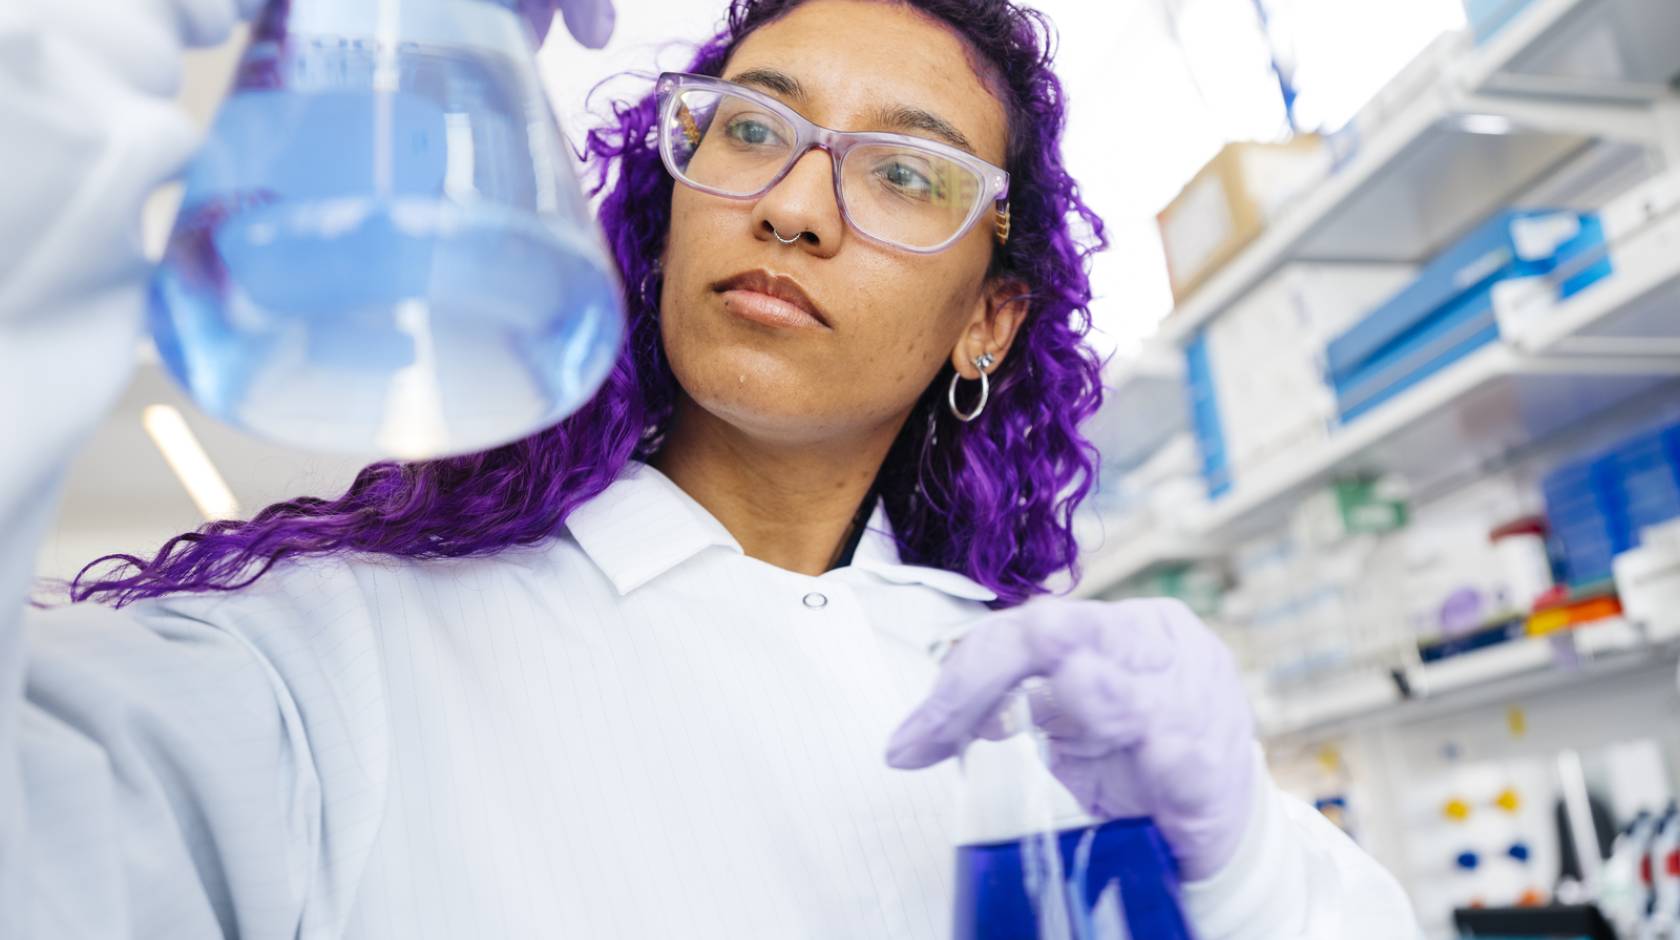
993,499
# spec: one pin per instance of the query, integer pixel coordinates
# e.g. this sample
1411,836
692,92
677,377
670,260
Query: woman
633,676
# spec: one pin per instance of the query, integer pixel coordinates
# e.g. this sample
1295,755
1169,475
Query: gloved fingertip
918,754
920,724
920,740
590,22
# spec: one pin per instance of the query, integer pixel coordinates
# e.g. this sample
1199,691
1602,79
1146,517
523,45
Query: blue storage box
1586,529
1204,416
1596,507
1448,312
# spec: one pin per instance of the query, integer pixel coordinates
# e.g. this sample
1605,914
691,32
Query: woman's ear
998,316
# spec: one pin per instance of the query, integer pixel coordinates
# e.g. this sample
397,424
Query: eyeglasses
906,192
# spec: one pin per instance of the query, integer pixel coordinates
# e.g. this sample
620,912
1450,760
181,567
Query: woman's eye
753,132
905,178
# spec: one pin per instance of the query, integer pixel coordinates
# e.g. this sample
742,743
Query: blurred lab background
1393,311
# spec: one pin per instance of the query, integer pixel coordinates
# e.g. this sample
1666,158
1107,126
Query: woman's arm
195,766
198,766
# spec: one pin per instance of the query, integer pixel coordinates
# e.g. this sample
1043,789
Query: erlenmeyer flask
382,247
1029,868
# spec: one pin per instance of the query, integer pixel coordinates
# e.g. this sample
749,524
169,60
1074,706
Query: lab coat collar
877,552
643,525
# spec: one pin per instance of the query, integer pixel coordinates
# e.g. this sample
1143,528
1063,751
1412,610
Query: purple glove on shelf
589,21
1143,709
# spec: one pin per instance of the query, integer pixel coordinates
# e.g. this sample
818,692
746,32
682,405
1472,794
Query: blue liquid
410,270
1127,856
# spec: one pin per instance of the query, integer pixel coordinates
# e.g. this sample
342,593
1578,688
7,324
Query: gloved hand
589,21
1143,710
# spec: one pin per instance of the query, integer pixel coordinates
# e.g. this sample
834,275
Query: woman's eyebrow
774,81
895,117
901,117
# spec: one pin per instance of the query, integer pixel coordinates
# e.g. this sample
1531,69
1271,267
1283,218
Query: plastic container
1648,582
1525,566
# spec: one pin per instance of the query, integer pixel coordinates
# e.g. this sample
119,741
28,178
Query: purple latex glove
589,21
1143,710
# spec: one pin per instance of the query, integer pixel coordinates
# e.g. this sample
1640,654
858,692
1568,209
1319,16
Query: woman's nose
802,205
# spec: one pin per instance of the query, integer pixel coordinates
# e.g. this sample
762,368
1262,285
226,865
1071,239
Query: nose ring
785,241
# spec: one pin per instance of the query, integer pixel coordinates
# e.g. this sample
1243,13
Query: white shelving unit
1143,403
1133,557
1632,314
1597,50
1569,105
1500,673
1525,110
1430,172
1472,413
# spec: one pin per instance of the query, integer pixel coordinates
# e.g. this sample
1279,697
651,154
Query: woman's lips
768,310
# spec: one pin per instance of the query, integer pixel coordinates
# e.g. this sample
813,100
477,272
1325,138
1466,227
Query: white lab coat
629,730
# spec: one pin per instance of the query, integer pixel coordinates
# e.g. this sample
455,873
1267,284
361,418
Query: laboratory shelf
1430,173
1470,415
1611,650
1128,558
1480,668
1332,703
1482,137
1144,403
1605,50
1561,362
1635,313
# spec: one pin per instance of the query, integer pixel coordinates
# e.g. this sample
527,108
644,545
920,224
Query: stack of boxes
1454,306
1317,345
1597,507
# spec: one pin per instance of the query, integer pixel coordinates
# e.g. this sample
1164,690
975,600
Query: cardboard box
1230,201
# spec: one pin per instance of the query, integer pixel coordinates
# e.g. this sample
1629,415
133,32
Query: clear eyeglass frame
992,193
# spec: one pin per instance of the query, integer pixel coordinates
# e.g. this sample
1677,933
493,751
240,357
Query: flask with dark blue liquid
1020,877
1117,881
382,247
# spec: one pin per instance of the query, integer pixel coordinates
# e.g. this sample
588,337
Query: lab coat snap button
814,600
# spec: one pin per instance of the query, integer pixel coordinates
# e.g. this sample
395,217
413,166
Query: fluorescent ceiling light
192,466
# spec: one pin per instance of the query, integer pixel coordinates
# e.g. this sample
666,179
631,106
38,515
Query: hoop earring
648,297
981,362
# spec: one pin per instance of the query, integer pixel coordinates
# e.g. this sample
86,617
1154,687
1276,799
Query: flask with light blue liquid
382,246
